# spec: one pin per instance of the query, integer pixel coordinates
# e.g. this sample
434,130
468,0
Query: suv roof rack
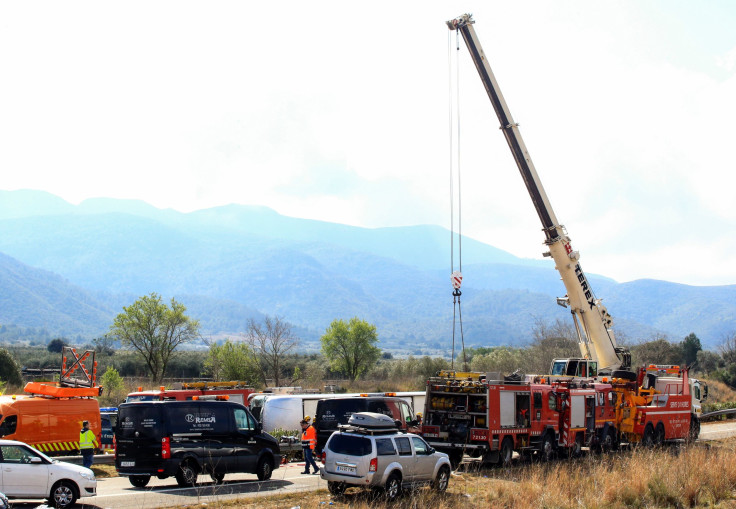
369,423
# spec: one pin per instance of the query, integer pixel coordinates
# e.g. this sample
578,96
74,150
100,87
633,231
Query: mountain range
69,269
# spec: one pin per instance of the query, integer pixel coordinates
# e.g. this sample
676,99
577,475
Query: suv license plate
346,470
127,463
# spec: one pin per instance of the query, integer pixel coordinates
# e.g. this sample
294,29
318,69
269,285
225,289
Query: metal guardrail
716,413
100,459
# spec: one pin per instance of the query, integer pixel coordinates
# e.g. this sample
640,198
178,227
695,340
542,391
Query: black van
333,411
186,438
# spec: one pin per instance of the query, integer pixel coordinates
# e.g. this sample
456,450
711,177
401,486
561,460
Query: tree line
146,340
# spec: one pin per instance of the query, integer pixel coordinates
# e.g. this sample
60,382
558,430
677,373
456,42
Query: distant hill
228,264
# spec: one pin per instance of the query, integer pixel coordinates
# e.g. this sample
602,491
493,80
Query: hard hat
307,418
419,414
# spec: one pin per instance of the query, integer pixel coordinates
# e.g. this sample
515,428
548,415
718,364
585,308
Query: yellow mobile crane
651,406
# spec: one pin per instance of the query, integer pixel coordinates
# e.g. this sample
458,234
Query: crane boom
593,323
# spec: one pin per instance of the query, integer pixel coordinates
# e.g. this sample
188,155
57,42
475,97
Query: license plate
127,463
345,470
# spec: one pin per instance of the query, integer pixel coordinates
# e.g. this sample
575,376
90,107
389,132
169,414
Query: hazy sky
338,111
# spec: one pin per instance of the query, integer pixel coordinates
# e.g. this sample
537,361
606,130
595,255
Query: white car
26,473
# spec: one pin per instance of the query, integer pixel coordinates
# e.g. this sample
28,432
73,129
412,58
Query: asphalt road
118,493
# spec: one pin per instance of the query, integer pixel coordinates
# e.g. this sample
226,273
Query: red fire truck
468,413
236,391
662,404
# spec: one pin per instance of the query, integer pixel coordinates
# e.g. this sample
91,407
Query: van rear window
197,418
350,445
330,412
142,421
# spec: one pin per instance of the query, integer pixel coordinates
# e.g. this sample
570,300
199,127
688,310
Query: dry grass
693,476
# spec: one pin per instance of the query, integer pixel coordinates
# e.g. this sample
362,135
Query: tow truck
650,407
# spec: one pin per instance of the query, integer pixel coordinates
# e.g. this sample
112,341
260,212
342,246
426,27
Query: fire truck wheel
63,494
456,457
577,448
659,435
547,447
442,480
648,439
187,474
507,452
694,432
139,481
608,442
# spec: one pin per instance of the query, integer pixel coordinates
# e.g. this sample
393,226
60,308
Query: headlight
90,476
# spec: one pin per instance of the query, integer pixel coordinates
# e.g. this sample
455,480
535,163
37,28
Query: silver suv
369,451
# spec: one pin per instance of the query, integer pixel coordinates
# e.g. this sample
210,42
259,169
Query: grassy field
700,475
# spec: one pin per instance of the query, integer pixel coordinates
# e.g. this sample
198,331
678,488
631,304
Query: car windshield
350,445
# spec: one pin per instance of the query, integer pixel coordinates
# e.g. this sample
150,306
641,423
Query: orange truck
49,416
50,424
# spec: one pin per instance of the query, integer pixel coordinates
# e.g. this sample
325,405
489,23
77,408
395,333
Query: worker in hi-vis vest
87,444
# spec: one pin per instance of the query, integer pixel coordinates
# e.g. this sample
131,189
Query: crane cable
454,131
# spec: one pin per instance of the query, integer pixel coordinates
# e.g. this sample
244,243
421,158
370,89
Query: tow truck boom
592,321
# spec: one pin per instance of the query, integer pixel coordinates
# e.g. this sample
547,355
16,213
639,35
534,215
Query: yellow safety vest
87,439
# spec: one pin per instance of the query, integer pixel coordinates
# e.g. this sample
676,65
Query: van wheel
265,469
139,481
392,490
442,480
217,477
186,475
336,488
63,494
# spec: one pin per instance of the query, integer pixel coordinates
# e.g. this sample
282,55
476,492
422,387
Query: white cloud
339,112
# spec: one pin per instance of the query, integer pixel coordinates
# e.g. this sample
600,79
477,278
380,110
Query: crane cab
579,368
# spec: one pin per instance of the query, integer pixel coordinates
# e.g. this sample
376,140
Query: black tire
624,374
577,449
694,432
608,441
139,481
659,435
217,477
336,488
63,494
442,480
392,489
265,469
507,452
187,474
547,447
456,458
648,439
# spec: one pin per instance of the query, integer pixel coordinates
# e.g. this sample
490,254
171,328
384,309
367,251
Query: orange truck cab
51,425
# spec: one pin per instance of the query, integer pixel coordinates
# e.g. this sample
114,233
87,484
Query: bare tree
728,348
271,341
551,341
